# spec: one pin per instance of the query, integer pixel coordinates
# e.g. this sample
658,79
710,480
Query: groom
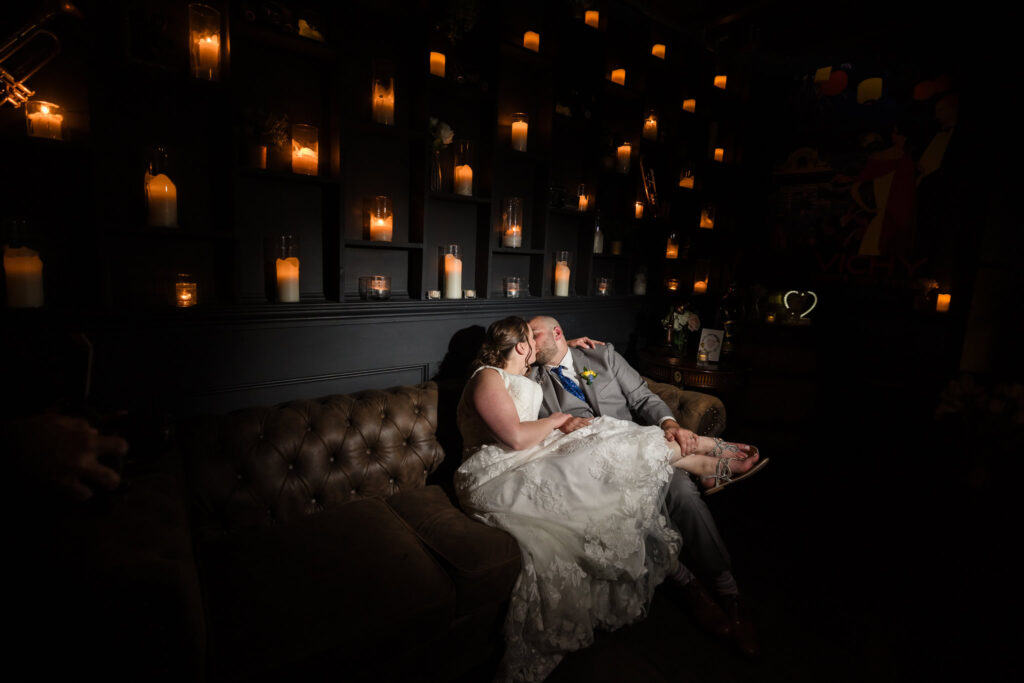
591,382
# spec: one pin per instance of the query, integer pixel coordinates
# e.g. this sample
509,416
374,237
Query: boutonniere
588,375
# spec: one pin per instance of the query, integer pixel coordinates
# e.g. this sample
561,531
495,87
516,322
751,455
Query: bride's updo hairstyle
501,338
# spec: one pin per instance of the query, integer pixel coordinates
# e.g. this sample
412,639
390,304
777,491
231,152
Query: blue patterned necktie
569,385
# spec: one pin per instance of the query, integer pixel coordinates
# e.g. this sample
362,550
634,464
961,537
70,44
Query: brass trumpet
14,74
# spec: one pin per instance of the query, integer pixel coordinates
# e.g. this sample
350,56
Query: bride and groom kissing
601,505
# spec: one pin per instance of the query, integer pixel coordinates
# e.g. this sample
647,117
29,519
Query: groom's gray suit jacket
617,391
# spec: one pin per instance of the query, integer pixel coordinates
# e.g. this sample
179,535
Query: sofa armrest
484,562
702,414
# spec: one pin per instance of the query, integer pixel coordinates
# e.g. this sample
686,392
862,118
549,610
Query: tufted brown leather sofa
274,543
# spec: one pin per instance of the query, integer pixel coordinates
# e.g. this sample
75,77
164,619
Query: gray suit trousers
704,550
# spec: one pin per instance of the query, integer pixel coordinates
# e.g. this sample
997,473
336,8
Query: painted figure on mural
890,205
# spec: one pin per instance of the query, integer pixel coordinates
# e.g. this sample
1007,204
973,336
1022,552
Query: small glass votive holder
375,287
186,292
44,119
672,284
469,294
305,149
512,290
434,294
603,286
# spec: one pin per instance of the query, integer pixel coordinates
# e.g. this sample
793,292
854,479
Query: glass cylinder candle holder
287,268
672,284
603,286
512,223
638,209
672,247
469,294
531,41
305,149
452,272
375,287
384,100
204,41
520,128
720,81
511,285
686,178
583,200
651,125
161,192
618,76
433,295
707,217
658,50
700,286
623,154
437,64
381,219
23,273
598,235
463,184
690,105
44,119
719,154
942,303
562,273
592,18
186,292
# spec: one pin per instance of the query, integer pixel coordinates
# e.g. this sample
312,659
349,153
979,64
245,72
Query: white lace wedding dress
587,509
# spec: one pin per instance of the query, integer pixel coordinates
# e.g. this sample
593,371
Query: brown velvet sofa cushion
335,588
702,414
484,562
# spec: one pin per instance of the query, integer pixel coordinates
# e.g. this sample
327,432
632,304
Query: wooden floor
866,552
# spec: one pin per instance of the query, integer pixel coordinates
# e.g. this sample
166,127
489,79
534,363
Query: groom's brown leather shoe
743,630
703,608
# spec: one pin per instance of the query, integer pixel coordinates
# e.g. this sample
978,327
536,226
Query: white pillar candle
437,63
942,303
43,120
452,277
288,279
719,153
531,41
23,270
304,159
464,180
206,55
562,278
519,131
162,200
651,128
592,18
623,157
185,294
618,76
381,228
658,50
598,241
584,202
384,102
690,105
638,210
700,287
707,219
512,237
720,81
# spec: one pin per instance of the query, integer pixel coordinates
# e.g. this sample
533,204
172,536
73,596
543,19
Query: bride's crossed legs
715,459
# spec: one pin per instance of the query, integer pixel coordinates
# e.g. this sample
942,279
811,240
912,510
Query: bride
587,508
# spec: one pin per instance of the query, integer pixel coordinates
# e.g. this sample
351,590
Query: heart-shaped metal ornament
802,299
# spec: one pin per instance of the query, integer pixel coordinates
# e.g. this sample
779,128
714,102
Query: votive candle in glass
592,18
690,105
603,286
287,268
437,64
618,76
720,81
384,101
520,128
512,223
531,41
622,154
651,126
707,217
511,287
583,201
305,149
161,193
638,210
463,169
700,287
562,273
452,272
204,41
381,219
672,284
686,179
186,293
672,247
23,270
44,119
719,154
658,50
942,303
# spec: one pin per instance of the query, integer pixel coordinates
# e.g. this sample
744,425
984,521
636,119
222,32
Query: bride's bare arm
496,408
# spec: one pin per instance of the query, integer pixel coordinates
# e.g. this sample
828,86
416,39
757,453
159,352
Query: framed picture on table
710,348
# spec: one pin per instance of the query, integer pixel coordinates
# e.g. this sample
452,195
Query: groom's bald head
550,340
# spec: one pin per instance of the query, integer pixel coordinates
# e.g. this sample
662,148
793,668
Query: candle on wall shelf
520,128
384,101
186,292
622,154
690,105
942,303
638,210
658,50
720,81
204,41
44,119
161,193
463,184
437,64
686,179
511,287
562,273
769,318
707,217
512,223
531,41
598,234
287,269
381,219
583,201
672,247
651,126
305,149
700,287
719,154
433,294
672,284
375,287
23,270
603,286
469,294
452,272
592,18
618,76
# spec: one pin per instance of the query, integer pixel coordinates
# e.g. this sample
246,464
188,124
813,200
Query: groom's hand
574,423
686,439
583,343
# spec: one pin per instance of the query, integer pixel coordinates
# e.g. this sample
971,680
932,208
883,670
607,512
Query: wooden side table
717,378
